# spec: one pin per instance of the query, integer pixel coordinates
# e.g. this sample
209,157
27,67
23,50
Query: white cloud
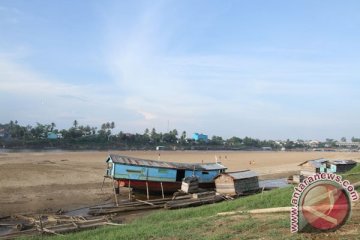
229,94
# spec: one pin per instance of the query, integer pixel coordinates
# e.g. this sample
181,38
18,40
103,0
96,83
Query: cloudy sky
266,69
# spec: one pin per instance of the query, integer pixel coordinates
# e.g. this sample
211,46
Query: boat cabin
236,183
124,167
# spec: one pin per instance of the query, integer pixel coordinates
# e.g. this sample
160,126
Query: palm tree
53,125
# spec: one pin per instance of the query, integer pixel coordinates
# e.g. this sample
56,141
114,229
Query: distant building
52,135
200,137
266,148
348,144
158,148
313,143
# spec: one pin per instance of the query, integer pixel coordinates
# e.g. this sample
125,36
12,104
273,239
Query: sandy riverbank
39,181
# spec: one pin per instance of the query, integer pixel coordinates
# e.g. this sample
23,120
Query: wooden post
147,190
103,184
116,200
162,190
129,190
41,224
118,186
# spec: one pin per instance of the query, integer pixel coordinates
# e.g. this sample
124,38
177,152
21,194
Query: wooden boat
159,176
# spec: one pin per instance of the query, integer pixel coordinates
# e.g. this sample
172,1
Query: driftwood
60,224
51,224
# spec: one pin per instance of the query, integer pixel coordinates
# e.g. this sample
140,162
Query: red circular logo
325,206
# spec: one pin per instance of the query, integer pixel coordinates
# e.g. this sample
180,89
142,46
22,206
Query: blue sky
265,69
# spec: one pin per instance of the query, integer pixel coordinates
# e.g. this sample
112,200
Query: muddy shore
49,181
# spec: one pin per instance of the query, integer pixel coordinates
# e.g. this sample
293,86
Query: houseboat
159,176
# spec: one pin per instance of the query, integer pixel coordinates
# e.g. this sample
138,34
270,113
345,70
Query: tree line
77,136
14,135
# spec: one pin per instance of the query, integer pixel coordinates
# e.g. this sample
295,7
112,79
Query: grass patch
190,223
353,175
203,223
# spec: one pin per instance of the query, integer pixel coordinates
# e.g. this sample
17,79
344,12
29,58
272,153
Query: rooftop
318,162
161,164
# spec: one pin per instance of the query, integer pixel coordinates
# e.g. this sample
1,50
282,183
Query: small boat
159,176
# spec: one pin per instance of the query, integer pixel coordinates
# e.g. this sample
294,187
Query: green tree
183,138
217,140
234,141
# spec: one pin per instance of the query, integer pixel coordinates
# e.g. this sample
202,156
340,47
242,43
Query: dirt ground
49,181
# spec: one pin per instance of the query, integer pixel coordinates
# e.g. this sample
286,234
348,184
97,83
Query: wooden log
23,226
26,233
258,211
203,194
192,202
140,203
115,224
50,231
132,204
5,217
146,202
56,227
120,209
26,218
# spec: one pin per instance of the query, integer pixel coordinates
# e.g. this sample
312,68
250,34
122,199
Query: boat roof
241,174
343,162
315,163
161,164
318,162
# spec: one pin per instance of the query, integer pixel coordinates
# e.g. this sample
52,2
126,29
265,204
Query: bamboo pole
149,203
118,185
162,190
103,184
147,190
129,190
116,200
258,211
